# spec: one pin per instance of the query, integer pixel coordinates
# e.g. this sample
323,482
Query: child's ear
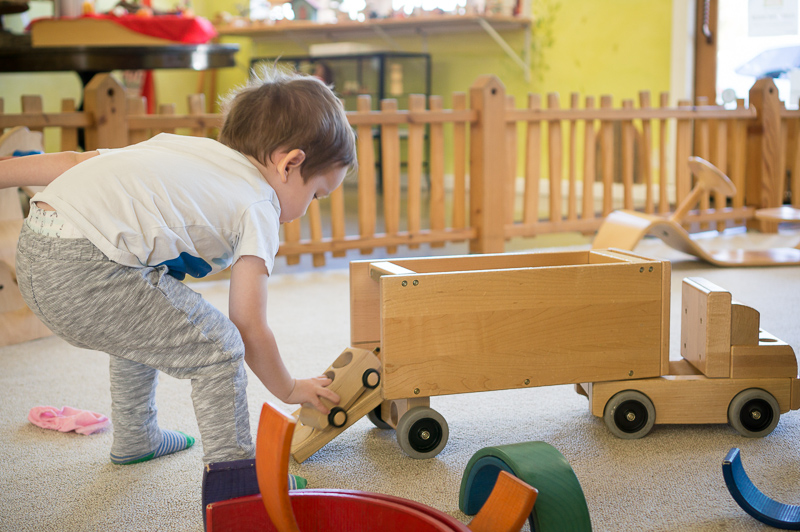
292,159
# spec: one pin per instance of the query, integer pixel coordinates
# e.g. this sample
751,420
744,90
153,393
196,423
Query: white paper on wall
794,89
772,17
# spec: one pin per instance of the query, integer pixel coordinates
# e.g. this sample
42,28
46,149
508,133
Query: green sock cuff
174,441
300,482
189,439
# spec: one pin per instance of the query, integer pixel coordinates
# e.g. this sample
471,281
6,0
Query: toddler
102,253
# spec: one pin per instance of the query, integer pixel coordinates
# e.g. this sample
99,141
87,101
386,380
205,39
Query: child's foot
173,442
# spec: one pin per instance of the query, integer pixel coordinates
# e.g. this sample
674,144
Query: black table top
107,58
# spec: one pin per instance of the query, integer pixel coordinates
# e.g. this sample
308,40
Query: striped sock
173,442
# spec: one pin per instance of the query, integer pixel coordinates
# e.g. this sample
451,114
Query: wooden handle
379,269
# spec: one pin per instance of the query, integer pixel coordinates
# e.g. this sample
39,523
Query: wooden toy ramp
624,229
17,323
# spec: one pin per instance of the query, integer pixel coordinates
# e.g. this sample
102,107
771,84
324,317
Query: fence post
764,181
487,165
104,99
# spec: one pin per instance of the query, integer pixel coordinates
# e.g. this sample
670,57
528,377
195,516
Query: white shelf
304,33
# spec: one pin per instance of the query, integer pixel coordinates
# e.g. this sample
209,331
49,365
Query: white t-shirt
190,203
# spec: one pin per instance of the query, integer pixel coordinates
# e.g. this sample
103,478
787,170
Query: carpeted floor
669,480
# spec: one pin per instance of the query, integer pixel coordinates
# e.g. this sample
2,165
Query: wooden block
770,358
89,32
706,326
9,234
745,323
493,329
691,399
393,410
17,323
347,374
10,205
682,367
20,326
795,394
308,440
10,298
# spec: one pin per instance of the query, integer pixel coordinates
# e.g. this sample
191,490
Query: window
735,48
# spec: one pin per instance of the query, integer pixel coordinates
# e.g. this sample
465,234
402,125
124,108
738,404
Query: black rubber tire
422,433
375,416
332,416
365,378
754,413
629,415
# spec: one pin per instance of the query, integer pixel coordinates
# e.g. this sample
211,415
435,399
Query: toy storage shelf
380,74
304,33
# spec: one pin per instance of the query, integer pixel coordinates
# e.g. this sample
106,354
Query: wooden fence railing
578,162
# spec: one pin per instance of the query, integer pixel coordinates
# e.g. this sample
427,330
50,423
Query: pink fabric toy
67,419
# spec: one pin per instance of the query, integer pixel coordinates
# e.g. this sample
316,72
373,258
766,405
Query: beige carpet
670,480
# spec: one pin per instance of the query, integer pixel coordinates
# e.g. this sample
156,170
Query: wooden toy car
731,371
353,372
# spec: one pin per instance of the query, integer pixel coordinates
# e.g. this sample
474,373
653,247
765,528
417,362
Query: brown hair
284,110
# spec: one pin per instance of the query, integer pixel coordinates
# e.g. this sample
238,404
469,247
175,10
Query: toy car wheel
754,413
337,417
422,432
629,415
371,378
375,416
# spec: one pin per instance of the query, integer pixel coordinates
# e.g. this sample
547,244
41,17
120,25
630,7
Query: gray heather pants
147,321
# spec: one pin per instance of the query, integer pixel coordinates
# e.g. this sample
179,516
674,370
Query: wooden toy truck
450,325
598,319
731,371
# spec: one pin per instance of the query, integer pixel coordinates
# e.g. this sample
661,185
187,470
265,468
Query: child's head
280,110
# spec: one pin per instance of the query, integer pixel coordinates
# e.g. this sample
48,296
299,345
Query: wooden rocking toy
278,509
17,323
623,229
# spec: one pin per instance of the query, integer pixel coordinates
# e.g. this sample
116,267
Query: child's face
296,195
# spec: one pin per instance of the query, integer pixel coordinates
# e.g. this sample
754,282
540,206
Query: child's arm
38,170
248,310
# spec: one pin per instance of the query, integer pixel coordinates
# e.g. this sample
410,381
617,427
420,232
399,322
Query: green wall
593,47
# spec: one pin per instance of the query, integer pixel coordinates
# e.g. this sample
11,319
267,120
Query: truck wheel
629,415
754,413
375,416
422,432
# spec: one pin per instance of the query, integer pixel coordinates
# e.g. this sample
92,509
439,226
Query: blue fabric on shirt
186,264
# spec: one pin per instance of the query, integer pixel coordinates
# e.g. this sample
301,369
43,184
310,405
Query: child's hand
310,390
